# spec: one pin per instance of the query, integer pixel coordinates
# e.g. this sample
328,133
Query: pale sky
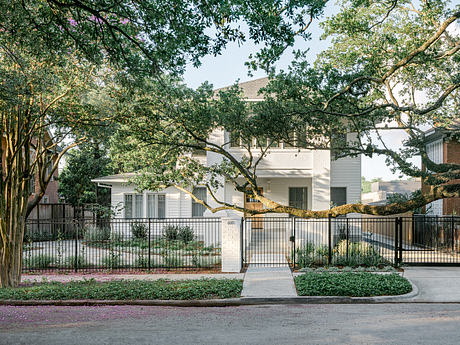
228,67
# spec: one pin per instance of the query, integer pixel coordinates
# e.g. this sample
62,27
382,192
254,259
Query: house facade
442,149
290,175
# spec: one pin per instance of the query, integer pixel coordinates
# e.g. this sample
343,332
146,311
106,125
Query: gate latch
292,238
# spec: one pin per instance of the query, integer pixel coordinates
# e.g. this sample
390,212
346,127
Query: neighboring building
442,149
294,176
381,189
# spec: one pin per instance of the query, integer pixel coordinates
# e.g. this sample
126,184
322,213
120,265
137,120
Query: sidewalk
268,282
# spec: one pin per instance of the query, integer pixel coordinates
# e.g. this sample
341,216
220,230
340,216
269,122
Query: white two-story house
309,179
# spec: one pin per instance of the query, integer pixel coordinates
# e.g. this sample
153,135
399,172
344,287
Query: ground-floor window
338,196
298,197
134,205
156,206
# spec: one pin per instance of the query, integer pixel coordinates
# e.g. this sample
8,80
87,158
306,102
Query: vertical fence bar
400,240
348,235
329,239
75,264
396,249
150,245
293,248
452,228
242,242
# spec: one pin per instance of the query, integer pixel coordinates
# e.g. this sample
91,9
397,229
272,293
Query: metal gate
351,241
429,240
268,241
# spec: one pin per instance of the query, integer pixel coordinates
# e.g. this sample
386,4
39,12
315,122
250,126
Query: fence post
453,228
293,242
348,236
150,246
396,249
400,240
75,264
329,236
242,241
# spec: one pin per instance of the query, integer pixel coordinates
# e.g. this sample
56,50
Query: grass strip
351,284
127,290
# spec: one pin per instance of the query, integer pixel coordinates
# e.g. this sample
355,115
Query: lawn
362,284
127,290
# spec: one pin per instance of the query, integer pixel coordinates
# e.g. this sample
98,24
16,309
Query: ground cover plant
362,284
127,290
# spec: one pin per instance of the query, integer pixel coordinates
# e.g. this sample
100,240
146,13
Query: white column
231,244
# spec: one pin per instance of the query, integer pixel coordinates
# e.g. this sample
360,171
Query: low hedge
127,290
351,284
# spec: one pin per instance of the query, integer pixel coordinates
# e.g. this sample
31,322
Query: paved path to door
269,281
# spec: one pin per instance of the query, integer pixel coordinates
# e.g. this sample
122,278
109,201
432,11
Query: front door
253,204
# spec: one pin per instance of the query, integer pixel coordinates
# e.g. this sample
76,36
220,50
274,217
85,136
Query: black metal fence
351,241
128,244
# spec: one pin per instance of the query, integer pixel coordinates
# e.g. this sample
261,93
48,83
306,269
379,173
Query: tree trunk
11,253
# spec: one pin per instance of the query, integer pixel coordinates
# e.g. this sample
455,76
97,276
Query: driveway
435,284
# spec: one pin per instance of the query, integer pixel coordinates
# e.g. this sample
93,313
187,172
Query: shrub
359,253
171,232
139,231
79,263
39,261
93,233
351,284
310,255
185,234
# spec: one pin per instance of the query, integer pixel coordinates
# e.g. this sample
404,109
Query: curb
230,302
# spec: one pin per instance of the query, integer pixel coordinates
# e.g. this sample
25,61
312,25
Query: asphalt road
277,324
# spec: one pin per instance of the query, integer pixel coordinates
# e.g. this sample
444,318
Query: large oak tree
392,66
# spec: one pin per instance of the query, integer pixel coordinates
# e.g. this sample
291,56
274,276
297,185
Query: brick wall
452,155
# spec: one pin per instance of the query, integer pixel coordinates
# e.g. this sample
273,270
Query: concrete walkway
435,284
261,281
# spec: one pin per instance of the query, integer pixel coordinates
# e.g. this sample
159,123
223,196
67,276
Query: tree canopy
392,66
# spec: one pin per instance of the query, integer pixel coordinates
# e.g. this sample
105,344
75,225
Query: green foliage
113,260
171,232
39,261
172,260
185,234
359,253
127,290
351,284
82,165
93,233
142,261
310,255
79,262
139,231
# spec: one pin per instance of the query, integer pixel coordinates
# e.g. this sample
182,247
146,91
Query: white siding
346,172
176,206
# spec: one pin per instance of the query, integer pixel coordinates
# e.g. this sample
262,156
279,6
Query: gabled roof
250,88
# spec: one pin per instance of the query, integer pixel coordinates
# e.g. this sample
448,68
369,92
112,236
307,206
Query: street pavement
275,324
